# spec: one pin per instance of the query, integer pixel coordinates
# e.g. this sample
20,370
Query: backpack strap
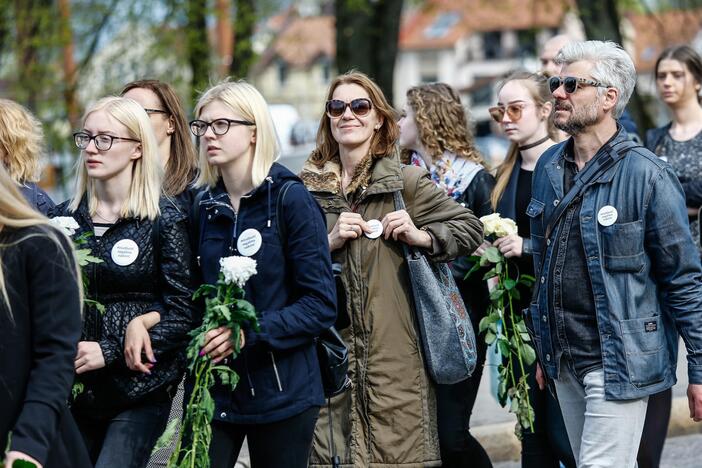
279,214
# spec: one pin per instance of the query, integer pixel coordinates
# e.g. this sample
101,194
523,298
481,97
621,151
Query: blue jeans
127,439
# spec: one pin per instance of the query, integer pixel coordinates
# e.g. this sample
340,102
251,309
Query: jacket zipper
275,369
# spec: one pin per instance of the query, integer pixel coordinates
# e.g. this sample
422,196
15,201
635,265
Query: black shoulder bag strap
195,223
591,172
156,243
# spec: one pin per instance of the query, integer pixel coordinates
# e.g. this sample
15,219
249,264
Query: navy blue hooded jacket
293,292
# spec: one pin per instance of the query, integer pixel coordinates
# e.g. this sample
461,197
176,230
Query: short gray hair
612,66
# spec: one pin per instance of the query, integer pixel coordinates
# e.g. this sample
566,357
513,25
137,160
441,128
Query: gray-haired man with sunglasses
617,272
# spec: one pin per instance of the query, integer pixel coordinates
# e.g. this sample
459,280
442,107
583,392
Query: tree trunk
69,63
197,46
601,19
367,33
244,23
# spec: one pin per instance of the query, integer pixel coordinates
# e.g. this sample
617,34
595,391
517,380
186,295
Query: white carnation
65,223
237,269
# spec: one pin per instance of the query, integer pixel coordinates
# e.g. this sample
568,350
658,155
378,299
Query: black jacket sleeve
177,313
55,308
693,193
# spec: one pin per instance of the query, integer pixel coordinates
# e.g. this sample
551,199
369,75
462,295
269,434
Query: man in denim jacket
617,272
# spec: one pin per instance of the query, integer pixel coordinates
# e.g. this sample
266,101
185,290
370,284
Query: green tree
244,24
367,33
198,49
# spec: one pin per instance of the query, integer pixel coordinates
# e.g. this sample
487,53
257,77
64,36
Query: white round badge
607,215
124,252
249,242
377,229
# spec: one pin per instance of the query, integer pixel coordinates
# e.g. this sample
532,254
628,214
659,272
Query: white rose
65,223
490,223
505,227
237,269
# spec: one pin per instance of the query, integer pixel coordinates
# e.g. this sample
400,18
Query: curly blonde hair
21,142
441,122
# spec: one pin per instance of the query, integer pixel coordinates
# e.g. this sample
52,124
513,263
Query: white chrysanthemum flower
237,269
65,223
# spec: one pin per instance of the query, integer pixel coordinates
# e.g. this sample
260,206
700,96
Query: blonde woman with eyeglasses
40,323
131,356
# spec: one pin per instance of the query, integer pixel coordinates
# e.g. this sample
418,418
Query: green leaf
503,346
493,255
490,337
168,435
489,274
528,354
496,293
515,294
484,322
509,284
474,268
23,464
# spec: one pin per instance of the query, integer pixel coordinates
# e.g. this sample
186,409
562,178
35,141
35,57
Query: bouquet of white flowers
502,325
225,306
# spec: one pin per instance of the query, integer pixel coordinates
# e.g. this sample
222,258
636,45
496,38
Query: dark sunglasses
513,111
360,107
572,83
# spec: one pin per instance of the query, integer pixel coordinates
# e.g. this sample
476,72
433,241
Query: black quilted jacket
159,279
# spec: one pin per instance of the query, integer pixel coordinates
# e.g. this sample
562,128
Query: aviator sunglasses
513,111
571,83
360,107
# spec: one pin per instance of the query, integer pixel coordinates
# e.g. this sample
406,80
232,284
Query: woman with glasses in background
386,417
175,148
143,283
21,146
252,206
523,112
434,134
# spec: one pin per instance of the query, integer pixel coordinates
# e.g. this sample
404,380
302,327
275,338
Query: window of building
526,40
492,45
282,72
428,67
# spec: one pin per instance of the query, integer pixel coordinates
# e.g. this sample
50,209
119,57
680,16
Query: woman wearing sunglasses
143,282
385,418
678,73
253,206
175,148
434,134
523,111
21,146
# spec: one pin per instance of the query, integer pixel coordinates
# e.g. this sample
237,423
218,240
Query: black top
525,263
38,340
575,321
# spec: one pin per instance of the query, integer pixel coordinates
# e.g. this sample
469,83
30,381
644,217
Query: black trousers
454,406
655,429
283,443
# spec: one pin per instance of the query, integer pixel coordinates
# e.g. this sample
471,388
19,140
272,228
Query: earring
377,127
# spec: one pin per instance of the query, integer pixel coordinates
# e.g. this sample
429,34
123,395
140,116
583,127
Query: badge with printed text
607,215
249,242
377,229
124,252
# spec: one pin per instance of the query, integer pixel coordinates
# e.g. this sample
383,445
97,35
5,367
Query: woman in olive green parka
388,416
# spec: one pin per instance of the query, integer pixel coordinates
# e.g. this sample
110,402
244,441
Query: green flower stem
520,342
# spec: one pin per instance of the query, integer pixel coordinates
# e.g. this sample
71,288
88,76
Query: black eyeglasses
103,141
360,107
156,111
572,83
219,126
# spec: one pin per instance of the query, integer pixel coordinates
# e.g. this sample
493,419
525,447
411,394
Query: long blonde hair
15,213
145,188
537,85
21,142
245,100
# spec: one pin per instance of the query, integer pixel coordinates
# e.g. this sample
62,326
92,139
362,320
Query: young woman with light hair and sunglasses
40,323
255,207
21,147
143,283
523,111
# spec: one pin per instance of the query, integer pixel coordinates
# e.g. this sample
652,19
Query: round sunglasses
572,83
360,107
513,111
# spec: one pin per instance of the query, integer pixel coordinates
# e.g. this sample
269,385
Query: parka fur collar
372,169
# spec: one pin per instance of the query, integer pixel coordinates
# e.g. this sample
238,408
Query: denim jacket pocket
535,211
644,344
622,246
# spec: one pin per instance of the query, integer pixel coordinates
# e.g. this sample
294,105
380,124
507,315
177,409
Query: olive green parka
388,416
